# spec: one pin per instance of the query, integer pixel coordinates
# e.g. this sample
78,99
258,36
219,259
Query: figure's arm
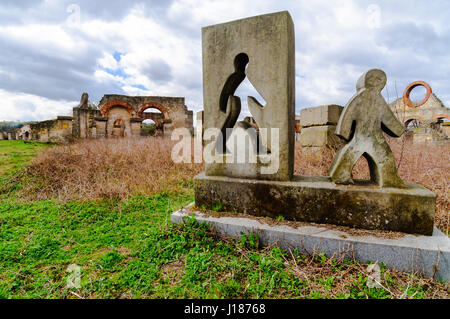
348,115
391,125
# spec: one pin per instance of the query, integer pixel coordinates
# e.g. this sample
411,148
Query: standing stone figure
362,123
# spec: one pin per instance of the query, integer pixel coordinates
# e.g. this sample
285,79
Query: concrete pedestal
428,255
317,199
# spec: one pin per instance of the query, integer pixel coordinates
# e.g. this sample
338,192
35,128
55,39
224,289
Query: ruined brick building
58,130
427,120
24,133
116,116
21,133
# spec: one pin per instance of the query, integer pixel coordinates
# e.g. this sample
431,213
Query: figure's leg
386,168
341,169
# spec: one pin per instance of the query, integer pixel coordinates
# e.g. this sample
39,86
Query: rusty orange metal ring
407,101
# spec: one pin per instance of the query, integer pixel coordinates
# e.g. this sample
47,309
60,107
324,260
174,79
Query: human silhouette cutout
362,123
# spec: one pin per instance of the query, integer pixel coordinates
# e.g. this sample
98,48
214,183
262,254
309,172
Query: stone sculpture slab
262,49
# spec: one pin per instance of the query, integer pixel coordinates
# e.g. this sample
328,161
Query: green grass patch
16,154
130,249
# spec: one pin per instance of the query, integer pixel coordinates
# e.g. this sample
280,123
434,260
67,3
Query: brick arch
412,118
153,105
410,87
153,117
109,105
441,116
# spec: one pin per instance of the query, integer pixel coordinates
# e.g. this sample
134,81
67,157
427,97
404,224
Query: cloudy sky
52,51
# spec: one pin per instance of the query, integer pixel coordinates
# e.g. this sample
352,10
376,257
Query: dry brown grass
119,168
113,168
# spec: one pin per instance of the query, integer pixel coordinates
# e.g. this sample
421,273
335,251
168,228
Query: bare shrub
113,168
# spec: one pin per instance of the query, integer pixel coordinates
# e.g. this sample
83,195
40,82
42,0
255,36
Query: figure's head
373,79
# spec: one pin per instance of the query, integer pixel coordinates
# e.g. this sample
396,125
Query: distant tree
9,125
148,129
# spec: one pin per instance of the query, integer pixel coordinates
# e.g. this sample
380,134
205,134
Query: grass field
122,245
15,154
130,250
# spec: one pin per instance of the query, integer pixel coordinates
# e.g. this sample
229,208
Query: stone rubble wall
55,131
317,126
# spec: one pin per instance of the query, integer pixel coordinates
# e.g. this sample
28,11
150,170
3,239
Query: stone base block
320,115
317,199
319,136
429,255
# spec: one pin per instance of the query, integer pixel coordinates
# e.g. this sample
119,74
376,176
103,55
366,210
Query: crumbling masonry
116,116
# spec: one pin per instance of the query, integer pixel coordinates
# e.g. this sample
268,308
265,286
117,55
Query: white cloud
50,38
108,62
336,41
28,107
